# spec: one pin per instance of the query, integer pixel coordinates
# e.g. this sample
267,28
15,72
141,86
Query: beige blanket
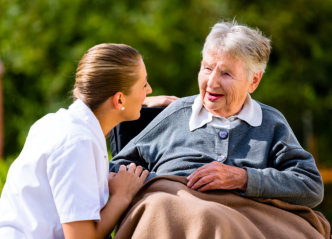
166,208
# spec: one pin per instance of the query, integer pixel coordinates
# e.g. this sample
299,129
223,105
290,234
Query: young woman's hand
161,100
126,183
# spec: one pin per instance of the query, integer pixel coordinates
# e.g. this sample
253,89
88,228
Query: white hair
241,42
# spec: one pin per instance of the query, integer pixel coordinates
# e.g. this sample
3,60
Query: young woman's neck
108,117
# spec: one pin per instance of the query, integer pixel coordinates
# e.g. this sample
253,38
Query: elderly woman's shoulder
181,103
179,107
186,100
270,112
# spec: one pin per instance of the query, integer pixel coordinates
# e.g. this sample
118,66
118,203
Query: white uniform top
60,176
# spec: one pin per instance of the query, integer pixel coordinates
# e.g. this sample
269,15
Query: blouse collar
251,113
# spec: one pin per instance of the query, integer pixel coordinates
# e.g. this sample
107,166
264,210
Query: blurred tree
41,42
1,114
297,78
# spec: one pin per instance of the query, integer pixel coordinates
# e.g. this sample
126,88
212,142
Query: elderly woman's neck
224,113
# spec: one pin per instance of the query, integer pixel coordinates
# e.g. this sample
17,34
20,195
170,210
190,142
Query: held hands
125,184
217,175
161,100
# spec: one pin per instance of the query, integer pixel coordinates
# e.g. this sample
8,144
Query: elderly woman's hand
161,100
217,175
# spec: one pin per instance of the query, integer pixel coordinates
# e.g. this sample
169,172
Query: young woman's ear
118,100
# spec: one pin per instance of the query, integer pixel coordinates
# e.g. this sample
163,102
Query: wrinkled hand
161,100
217,175
127,183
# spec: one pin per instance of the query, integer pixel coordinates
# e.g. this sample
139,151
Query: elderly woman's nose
213,79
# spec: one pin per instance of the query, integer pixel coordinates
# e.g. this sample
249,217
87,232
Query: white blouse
60,176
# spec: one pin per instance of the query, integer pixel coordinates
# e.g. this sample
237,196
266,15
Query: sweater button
223,134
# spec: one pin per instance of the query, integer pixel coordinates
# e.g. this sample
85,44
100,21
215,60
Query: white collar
250,113
83,113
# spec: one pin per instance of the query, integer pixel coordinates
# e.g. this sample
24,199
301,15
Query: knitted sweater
278,167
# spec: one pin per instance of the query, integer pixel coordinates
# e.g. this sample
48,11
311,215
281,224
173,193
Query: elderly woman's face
224,83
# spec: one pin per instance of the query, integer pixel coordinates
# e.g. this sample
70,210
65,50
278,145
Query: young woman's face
134,100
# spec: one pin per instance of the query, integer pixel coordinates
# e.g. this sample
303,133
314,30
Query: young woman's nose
148,89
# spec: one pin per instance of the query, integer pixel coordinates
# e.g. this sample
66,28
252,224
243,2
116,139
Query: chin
136,117
209,106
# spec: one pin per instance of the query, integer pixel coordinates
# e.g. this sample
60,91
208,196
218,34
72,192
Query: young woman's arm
123,187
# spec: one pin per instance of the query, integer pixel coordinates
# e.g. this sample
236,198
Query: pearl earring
122,108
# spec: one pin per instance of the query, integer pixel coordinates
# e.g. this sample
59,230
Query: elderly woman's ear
256,78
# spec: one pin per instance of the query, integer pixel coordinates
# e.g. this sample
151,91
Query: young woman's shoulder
57,129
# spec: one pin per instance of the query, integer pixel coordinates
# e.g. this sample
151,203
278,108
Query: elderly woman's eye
207,69
226,74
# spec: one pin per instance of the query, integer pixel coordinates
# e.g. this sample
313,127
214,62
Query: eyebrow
204,62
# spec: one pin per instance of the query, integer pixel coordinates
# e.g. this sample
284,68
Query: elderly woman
222,138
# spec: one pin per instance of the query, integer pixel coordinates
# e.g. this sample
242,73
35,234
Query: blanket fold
166,208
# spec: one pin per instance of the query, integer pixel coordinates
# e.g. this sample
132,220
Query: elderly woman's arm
300,184
295,177
287,173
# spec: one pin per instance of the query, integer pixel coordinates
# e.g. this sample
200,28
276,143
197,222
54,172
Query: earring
122,108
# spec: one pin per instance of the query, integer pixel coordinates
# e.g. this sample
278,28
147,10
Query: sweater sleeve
129,154
291,175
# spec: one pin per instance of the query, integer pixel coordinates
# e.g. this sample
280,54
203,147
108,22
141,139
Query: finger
174,97
194,174
195,177
202,181
210,168
144,175
210,186
138,170
132,168
111,175
122,168
200,172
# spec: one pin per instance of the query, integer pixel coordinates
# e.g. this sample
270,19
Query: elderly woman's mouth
213,96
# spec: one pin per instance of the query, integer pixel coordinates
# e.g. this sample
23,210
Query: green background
41,42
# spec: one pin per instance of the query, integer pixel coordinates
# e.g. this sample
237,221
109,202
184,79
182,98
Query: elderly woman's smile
213,96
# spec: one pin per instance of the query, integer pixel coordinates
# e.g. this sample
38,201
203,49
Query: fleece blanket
166,208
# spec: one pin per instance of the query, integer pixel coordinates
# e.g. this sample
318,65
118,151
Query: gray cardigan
278,167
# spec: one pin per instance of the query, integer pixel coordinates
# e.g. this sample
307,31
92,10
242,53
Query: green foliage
41,42
4,166
297,79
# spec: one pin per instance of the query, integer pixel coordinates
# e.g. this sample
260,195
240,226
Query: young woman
59,186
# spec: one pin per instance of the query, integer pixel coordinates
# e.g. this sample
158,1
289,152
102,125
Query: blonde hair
104,70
